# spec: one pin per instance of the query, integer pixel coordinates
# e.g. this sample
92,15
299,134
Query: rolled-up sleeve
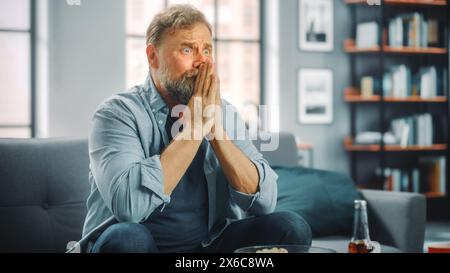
130,183
265,199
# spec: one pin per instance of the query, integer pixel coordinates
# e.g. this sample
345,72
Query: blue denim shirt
127,138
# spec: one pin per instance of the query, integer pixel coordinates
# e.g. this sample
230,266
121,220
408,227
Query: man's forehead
199,34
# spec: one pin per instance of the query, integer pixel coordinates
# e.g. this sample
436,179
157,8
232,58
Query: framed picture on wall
316,25
315,96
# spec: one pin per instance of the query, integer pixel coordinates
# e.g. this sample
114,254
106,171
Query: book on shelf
413,30
432,31
429,176
367,35
423,130
367,87
401,81
432,176
404,135
429,82
416,130
369,138
370,85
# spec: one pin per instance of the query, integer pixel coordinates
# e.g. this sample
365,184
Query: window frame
216,40
32,34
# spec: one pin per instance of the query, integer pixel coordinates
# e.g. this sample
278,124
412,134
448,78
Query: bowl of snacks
283,249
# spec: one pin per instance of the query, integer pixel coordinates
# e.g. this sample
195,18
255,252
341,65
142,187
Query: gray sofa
44,186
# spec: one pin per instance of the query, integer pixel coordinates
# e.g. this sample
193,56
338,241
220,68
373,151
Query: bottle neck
361,226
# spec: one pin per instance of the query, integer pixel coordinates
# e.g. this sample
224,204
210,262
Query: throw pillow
323,198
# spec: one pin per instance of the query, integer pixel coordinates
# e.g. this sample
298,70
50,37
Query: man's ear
152,56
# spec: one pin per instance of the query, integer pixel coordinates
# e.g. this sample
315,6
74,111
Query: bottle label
364,247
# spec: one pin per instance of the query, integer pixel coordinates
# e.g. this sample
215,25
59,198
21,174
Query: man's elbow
268,198
125,217
125,214
259,209
269,207
126,210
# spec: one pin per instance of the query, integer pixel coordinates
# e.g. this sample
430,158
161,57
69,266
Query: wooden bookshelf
361,186
434,194
350,47
412,50
350,146
403,2
353,95
383,57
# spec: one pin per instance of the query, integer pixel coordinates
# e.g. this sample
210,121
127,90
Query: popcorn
273,250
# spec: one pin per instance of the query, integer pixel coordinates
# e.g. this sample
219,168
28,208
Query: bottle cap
360,204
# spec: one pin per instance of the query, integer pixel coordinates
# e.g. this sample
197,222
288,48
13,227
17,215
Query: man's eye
206,52
186,50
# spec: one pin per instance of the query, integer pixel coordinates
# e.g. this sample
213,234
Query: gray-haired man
194,190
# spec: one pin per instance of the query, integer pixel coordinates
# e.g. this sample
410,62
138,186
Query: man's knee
126,238
294,229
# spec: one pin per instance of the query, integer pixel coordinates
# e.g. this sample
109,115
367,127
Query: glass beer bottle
360,242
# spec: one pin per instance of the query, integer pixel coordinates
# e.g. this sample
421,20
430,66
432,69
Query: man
188,190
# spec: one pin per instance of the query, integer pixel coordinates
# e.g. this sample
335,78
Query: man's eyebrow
208,45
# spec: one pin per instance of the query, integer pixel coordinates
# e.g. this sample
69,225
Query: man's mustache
191,74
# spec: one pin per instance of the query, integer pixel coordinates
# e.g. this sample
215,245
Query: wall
326,139
86,61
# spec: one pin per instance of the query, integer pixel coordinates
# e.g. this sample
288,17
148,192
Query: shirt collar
156,101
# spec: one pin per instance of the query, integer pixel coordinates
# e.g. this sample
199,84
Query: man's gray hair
174,18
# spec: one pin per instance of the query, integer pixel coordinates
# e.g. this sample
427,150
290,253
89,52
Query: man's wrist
189,133
217,133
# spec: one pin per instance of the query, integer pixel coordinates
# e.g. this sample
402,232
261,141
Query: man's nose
200,59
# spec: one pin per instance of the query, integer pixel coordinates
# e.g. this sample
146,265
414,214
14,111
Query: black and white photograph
316,25
315,98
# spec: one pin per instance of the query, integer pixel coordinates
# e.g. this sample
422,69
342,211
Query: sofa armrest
397,218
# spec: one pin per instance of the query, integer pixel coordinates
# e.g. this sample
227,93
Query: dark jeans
274,228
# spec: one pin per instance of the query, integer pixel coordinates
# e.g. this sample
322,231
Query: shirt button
160,122
153,110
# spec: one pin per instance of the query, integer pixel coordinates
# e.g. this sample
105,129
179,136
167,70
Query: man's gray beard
180,90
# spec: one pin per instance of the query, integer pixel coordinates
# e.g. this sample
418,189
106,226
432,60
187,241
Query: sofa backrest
286,152
44,186
43,190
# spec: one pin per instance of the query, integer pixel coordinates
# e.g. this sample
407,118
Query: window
16,75
237,44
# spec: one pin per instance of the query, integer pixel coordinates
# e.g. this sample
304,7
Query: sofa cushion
43,190
323,198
